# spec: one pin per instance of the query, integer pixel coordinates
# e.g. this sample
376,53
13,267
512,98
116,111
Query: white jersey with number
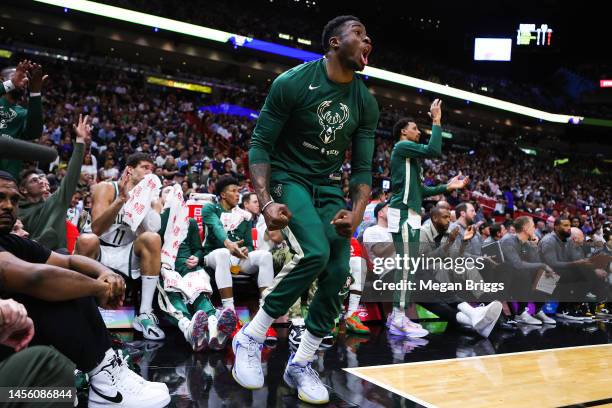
118,234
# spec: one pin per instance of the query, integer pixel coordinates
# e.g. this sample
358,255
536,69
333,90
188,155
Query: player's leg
406,243
223,324
306,236
88,245
193,326
220,260
146,251
37,366
353,322
333,286
260,262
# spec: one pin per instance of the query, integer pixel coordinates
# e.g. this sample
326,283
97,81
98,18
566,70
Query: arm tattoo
360,194
260,177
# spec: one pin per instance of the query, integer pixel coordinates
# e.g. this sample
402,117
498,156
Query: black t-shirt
24,249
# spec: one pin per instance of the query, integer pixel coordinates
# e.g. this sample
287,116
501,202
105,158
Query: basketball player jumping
312,115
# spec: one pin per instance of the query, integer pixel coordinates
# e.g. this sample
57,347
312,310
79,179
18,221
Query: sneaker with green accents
148,325
355,325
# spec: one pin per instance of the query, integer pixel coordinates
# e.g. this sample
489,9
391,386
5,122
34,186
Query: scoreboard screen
492,49
529,35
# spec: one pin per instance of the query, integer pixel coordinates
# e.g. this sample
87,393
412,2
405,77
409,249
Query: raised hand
435,111
123,185
20,77
469,233
36,77
457,183
82,129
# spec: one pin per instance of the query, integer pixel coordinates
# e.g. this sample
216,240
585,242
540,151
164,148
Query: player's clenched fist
277,216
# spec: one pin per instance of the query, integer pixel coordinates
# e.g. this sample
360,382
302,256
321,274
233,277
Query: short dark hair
5,175
332,29
377,192
134,159
23,176
461,208
436,211
223,183
521,222
559,220
483,226
399,125
247,196
495,229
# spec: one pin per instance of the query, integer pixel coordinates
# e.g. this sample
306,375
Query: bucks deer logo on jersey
6,117
331,121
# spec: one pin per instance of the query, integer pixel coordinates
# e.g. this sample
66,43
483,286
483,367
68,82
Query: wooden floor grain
545,378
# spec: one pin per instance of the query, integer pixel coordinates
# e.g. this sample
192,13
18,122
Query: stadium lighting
190,86
211,34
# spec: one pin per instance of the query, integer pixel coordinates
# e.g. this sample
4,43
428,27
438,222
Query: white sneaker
392,316
544,319
126,371
306,380
148,324
403,326
247,364
115,385
526,318
223,325
196,331
483,318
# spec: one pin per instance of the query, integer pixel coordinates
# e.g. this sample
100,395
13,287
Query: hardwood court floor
543,378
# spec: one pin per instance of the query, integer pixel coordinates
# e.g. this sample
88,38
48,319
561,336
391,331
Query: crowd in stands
195,147
251,21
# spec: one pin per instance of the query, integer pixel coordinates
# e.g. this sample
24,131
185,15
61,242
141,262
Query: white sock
183,325
108,356
258,327
353,304
466,309
398,313
228,303
149,284
307,349
212,326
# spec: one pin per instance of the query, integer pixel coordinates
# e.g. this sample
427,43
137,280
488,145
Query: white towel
139,203
193,283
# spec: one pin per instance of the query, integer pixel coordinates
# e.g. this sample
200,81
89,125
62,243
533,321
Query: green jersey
407,174
191,245
19,123
221,224
308,122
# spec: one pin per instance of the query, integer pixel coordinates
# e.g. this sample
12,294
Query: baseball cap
379,207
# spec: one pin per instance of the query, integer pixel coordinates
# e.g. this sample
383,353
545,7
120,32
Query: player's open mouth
364,55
